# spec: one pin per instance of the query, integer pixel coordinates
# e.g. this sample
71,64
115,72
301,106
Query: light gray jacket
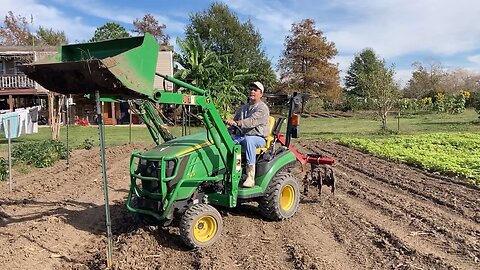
254,119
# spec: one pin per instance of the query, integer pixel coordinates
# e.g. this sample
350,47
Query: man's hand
231,122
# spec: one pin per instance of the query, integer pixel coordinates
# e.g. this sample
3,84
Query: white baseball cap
258,85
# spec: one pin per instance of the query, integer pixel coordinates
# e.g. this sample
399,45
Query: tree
149,24
426,80
306,62
110,30
15,31
381,90
222,29
364,62
202,67
460,79
198,62
228,88
51,37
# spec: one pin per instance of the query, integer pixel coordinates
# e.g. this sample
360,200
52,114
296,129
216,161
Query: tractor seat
271,124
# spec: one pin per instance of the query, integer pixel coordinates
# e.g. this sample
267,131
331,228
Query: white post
9,156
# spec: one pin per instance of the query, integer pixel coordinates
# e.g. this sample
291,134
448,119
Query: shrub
3,169
314,105
87,144
353,103
474,101
40,154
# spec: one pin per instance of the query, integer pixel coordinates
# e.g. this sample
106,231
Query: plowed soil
382,216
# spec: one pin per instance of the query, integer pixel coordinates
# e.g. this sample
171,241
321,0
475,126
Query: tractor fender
265,170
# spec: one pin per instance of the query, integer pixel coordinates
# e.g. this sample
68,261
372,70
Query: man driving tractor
252,119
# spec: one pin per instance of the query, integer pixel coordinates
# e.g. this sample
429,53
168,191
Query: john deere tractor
186,176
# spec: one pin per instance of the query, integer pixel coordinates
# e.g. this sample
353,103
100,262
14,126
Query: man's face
255,94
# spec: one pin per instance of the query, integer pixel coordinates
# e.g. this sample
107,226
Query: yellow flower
440,96
465,93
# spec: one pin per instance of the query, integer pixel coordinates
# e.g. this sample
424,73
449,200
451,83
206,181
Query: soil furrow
383,216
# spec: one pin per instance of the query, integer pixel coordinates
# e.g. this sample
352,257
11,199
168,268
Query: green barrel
119,68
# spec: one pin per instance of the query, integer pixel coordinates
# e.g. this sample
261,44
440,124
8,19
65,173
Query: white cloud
50,17
77,28
402,76
395,28
474,58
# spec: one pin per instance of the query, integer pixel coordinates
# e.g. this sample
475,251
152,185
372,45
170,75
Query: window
2,67
17,68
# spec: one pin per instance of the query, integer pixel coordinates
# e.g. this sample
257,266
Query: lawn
368,126
114,135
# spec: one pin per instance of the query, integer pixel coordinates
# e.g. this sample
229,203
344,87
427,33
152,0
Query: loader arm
124,69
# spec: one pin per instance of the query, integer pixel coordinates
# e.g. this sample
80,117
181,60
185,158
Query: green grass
365,126
114,135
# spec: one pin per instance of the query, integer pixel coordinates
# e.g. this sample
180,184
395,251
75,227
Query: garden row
448,153
39,154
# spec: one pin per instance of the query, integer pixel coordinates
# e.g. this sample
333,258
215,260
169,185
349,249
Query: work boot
250,181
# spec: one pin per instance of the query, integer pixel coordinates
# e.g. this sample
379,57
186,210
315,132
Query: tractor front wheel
282,197
201,225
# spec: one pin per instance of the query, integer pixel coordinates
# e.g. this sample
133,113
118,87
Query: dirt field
383,216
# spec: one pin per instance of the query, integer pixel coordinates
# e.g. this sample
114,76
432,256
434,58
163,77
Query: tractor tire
200,226
282,197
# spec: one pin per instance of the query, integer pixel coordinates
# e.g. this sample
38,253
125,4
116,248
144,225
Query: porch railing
16,82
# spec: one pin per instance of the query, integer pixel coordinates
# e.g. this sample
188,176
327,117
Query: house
17,91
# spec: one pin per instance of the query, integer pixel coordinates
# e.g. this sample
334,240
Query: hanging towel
14,118
34,114
23,121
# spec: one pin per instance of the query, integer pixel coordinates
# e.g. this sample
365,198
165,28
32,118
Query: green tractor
189,175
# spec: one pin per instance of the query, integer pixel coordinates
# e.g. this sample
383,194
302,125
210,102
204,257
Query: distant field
367,125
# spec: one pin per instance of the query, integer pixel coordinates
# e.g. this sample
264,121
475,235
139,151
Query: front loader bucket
119,68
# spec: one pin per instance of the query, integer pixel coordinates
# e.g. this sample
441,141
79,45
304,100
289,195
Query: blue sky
400,31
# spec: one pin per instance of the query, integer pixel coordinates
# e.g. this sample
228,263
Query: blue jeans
250,144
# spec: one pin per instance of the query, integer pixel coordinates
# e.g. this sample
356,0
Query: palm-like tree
198,62
203,68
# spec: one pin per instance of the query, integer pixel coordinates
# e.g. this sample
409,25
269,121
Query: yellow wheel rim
287,197
205,229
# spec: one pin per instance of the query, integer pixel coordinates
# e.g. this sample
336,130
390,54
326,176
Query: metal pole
291,111
104,176
130,127
398,122
68,122
9,156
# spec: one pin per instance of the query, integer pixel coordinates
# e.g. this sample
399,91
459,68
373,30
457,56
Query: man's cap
258,85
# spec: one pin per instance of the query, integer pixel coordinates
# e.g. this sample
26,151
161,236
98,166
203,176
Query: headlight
143,162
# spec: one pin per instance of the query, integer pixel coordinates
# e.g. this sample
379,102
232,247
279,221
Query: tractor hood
181,146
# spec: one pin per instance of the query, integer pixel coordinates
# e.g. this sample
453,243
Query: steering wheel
237,129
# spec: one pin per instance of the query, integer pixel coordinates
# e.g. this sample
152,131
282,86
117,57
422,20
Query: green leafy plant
40,154
443,152
22,167
3,169
87,144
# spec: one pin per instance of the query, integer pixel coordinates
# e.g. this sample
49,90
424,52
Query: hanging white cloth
23,120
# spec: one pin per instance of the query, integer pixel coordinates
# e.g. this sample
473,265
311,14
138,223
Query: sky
399,31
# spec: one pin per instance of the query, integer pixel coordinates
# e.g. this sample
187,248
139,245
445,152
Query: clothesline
22,121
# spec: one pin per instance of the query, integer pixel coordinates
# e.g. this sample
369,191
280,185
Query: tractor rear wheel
201,225
282,197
